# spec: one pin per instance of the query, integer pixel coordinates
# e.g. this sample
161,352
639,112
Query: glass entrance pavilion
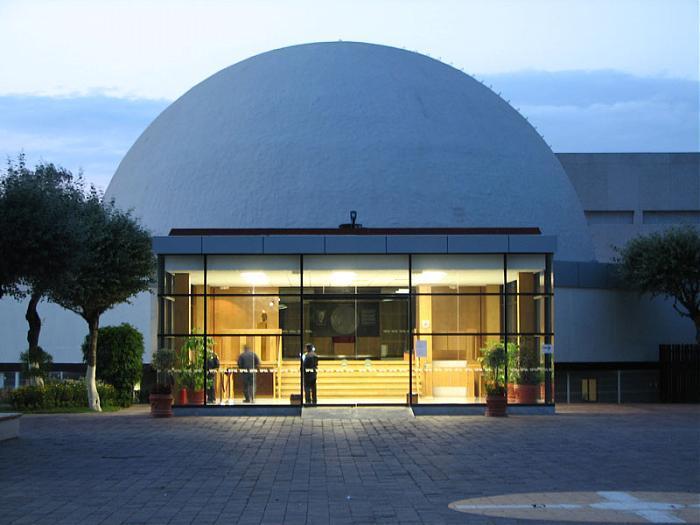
401,316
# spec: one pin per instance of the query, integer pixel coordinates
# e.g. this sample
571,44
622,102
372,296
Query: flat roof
353,231
219,241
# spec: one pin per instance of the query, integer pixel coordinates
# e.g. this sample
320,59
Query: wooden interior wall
181,305
526,311
491,314
243,314
526,303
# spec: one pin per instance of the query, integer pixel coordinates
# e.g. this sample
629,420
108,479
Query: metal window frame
412,330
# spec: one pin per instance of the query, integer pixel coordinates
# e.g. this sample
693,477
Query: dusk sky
81,80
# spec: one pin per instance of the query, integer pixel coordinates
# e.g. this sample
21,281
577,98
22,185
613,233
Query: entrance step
374,413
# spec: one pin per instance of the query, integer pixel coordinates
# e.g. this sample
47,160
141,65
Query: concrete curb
9,425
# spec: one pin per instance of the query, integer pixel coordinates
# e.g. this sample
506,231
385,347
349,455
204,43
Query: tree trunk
34,321
697,328
93,396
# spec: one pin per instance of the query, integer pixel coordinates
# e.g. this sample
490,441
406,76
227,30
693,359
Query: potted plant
191,362
529,376
493,364
161,397
512,372
184,378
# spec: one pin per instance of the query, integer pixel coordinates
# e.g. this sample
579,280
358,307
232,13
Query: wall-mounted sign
421,348
548,348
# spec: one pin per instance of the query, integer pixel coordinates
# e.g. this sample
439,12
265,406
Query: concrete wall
627,194
63,332
594,325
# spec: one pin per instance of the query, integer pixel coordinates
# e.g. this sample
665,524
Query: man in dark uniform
212,370
310,369
248,364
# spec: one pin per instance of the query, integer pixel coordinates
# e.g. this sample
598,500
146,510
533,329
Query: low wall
9,425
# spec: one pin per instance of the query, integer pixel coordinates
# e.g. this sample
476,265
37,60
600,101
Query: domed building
399,217
298,137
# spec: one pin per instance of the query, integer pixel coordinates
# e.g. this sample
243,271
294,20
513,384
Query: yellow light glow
429,277
342,278
255,278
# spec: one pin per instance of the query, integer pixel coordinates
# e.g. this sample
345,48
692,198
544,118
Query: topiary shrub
119,359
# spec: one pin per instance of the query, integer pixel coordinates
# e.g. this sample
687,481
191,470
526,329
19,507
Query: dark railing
679,373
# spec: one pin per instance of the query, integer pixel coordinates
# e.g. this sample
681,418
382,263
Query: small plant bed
60,397
68,410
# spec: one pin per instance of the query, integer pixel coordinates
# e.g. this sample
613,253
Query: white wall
63,332
593,325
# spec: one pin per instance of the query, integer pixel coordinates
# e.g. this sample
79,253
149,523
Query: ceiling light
342,278
402,290
255,278
429,277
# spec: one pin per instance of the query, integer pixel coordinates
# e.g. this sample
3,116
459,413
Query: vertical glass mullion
204,335
301,328
505,318
548,328
161,290
410,331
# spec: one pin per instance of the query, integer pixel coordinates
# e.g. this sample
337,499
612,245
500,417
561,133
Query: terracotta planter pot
182,397
161,405
196,397
527,394
512,396
496,405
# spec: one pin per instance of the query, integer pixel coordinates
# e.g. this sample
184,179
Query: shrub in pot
493,365
529,375
190,362
161,398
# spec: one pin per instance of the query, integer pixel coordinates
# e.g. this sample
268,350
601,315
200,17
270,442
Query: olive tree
38,238
115,263
666,264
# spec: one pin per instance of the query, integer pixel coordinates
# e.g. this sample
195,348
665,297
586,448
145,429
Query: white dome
298,137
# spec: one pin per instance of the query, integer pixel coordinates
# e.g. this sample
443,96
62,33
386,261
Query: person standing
310,370
212,371
248,364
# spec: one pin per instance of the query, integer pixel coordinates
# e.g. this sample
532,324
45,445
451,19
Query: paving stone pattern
128,468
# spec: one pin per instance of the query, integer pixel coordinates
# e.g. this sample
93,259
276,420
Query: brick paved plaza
128,468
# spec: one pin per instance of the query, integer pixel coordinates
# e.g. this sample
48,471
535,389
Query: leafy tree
37,366
115,263
666,264
119,359
38,236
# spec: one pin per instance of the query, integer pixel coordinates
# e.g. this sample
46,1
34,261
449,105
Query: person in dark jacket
248,364
212,369
310,369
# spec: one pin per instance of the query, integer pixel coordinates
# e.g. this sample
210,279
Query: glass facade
386,328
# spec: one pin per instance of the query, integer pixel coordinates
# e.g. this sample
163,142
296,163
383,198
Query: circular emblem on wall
343,319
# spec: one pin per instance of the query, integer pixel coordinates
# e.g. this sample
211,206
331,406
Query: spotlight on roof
352,225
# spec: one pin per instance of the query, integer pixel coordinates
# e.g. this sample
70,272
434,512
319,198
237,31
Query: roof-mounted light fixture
352,225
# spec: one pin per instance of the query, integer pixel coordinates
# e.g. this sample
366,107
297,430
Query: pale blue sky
82,79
